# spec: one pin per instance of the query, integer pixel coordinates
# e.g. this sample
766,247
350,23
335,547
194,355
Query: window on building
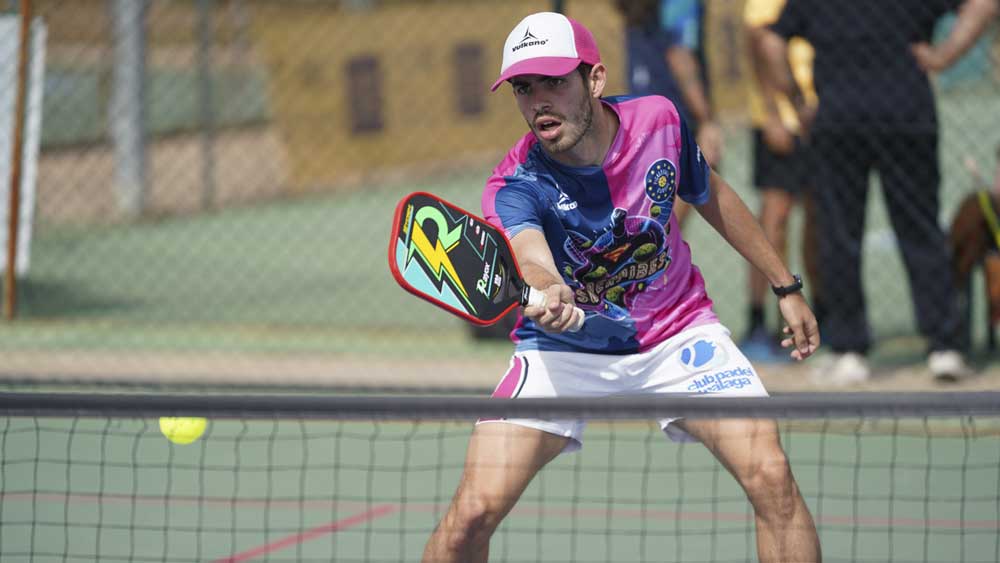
470,86
364,84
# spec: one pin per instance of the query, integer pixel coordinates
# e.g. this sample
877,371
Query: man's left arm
730,217
973,18
687,72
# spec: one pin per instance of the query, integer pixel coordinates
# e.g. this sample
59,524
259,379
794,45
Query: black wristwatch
791,288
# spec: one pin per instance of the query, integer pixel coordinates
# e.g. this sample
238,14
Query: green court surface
115,490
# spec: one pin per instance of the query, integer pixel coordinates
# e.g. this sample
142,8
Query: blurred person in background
664,41
781,170
877,112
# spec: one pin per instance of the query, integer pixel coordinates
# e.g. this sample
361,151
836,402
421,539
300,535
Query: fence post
126,113
205,105
14,200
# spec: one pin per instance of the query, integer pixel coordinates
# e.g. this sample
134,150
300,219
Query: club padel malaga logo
702,355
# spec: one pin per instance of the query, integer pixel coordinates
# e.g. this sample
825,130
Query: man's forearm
687,72
777,72
973,18
538,276
534,259
759,66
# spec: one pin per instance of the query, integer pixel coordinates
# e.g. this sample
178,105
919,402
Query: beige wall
728,61
168,22
307,47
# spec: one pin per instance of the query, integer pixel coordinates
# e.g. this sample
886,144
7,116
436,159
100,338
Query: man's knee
771,487
471,522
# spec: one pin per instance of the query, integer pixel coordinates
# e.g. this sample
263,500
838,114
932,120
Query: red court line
525,508
307,535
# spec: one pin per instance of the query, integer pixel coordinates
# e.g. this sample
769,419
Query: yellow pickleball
182,430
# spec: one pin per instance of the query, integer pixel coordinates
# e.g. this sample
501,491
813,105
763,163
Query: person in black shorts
782,180
781,171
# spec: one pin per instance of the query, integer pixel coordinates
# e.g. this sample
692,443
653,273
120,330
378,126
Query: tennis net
90,477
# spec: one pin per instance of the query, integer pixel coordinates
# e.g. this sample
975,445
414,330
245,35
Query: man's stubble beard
568,142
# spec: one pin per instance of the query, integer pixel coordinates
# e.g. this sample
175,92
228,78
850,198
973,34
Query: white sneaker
845,368
948,366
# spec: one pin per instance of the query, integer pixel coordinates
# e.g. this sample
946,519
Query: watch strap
793,287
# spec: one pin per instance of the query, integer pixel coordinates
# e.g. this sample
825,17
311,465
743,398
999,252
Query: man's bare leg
775,209
750,450
501,461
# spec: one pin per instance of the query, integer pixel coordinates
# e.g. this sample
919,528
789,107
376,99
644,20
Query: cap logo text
529,40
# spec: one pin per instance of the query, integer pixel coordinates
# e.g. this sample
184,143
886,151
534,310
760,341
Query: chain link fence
222,173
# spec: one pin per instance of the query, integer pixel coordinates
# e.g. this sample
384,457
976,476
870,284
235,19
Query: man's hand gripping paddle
458,261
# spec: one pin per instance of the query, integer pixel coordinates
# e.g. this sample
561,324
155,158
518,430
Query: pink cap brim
546,66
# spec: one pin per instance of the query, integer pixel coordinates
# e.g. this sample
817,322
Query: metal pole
559,6
127,109
14,203
205,103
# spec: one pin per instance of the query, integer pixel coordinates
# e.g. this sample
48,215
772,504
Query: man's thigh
740,444
501,461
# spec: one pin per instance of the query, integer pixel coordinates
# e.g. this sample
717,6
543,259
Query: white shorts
699,361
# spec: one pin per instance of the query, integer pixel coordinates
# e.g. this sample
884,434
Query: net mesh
886,479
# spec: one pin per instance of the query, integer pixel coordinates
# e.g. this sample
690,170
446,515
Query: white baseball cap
546,43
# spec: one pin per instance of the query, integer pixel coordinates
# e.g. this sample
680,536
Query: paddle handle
537,299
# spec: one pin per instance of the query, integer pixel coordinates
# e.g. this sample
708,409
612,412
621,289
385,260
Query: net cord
778,406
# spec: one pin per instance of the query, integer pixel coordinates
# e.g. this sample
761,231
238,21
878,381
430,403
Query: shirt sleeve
682,19
758,13
694,170
512,206
793,21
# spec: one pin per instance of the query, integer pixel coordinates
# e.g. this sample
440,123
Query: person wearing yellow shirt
780,169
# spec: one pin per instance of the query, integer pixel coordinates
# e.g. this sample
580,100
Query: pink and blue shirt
611,230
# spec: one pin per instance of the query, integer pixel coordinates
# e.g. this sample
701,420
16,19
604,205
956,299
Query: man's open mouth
547,127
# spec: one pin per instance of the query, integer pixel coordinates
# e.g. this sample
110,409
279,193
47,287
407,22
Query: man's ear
598,80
